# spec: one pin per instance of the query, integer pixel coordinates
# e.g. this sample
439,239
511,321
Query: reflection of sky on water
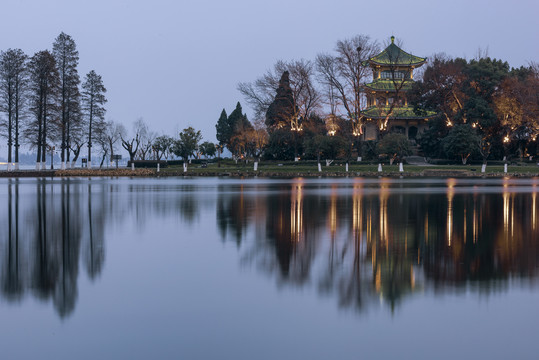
367,245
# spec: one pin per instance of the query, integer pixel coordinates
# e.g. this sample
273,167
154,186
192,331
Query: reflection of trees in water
358,243
233,213
161,200
385,243
57,223
492,238
12,277
45,232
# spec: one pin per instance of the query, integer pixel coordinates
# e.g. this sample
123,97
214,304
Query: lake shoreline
449,173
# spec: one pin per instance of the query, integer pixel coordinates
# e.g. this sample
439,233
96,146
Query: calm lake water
211,268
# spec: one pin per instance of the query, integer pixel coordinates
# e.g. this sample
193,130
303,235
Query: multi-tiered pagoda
387,102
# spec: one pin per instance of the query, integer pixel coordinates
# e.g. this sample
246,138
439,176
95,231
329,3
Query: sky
177,63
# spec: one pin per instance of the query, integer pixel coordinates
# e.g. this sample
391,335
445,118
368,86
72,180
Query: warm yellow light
506,139
449,123
332,132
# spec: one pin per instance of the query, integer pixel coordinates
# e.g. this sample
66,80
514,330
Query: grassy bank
292,169
354,169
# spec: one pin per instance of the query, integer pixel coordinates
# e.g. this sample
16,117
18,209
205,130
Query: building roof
394,55
389,85
399,112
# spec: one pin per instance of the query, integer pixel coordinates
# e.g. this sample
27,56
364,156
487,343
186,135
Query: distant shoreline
436,173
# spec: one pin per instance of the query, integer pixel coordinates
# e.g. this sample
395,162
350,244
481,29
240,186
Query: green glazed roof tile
394,55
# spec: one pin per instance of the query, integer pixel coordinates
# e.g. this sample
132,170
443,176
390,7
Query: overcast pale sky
177,63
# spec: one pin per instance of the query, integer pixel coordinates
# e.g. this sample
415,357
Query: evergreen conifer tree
282,109
224,132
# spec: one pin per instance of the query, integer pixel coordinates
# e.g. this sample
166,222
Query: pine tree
237,120
67,58
224,132
282,109
240,126
93,99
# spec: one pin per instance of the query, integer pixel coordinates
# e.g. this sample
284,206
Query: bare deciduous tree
93,98
44,81
67,58
261,93
344,73
13,82
132,145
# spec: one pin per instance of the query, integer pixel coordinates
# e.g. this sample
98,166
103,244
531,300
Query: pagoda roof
394,55
399,112
389,85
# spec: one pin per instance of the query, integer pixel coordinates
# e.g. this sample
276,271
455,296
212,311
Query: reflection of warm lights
373,255
332,132
474,125
534,206
296,213
384,195
357,210
506,210
506,139
333,214
378,279
450,194
449,123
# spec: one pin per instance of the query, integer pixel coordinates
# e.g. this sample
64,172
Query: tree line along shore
361,103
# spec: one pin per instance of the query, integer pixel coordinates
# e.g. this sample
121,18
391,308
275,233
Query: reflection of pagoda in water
381,242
